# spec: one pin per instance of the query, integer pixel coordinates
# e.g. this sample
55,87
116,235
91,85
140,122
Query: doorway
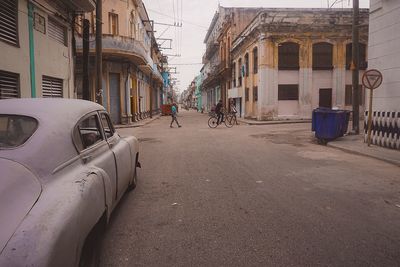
325,97
115,98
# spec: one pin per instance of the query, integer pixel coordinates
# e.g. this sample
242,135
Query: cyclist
218,111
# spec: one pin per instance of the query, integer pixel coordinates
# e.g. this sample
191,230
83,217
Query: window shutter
9,21
52,87
57,32
9,85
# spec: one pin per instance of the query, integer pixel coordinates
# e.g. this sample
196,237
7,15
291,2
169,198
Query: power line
186,21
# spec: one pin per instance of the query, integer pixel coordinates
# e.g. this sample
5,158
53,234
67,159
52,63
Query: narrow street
252,196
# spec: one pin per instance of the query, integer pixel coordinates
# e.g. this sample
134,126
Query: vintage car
63,169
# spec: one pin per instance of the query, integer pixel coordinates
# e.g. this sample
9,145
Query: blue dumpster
329,124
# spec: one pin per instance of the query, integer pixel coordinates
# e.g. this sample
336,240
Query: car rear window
15,130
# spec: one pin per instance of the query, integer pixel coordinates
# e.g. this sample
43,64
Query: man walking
173,115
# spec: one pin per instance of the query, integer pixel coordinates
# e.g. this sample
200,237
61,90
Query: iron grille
52,87
9,21
9,85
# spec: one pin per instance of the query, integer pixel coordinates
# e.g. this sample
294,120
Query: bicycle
213,120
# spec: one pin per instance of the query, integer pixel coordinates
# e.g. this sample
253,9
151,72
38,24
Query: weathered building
289,61
226,25
36,45
384,55
132,82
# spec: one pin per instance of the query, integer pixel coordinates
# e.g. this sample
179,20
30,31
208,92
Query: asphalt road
253,196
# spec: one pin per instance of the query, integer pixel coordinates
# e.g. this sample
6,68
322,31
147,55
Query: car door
94,151
122,154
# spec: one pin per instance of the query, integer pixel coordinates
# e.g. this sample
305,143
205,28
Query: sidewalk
138,123
255,122
355,144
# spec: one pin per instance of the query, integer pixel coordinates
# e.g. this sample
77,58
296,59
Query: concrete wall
384,52
51,58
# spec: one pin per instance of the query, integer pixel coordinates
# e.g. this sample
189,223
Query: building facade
289,61
132,81
36,43
226,25
384,55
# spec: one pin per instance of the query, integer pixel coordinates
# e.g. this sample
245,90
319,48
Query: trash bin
329,124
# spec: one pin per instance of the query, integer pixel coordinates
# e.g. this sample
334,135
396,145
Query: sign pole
371,92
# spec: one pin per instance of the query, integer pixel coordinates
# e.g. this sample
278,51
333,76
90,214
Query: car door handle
86,159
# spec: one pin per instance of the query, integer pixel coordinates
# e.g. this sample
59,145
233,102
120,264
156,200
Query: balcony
120,47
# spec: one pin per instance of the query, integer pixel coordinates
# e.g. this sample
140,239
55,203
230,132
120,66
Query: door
325,97
122,155
115,98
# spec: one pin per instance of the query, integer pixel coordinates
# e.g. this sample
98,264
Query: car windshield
15,130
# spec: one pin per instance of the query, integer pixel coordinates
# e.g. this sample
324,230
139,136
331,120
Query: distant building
384,55
287,62
36,44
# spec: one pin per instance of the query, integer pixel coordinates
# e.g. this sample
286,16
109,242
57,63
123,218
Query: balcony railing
121,46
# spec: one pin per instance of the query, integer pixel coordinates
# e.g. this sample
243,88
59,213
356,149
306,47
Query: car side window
107,125
90,131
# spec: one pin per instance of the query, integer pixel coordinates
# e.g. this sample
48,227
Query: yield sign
372,79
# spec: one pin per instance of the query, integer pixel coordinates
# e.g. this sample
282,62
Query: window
288,92
362,54
255,60
322,56
107,125
234,74
246,92
39,23
132,24
240,71
52,87
15,130
246,65
9,22
9,85
57,32
288,56
349,95
113,23
89,131
255,93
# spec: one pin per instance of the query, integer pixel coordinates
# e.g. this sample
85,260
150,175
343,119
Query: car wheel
133,183
91,251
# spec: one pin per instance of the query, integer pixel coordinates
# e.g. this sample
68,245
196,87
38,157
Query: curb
143,123
390,161
273,122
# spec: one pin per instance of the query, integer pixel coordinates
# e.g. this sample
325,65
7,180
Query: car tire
133,183
91,251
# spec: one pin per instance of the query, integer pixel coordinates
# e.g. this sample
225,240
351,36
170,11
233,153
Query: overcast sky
196,15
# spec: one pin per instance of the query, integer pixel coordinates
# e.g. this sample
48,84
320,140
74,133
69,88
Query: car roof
51,144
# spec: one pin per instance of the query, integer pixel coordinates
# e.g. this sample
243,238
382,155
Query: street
252,196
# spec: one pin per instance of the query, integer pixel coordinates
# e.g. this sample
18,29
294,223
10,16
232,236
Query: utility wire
186,21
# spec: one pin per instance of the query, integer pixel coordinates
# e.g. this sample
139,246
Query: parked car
63,170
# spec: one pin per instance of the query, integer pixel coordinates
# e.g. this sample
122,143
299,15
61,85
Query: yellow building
131,61
290,61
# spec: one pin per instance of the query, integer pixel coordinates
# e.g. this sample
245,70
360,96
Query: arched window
322,56
362,55
288,56
246,64
255,60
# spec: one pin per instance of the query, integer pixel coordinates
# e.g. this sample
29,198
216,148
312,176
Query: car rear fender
54,231
134,147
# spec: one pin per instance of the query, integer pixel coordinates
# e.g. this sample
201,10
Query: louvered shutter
57,31
9,21
9,85
52,87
